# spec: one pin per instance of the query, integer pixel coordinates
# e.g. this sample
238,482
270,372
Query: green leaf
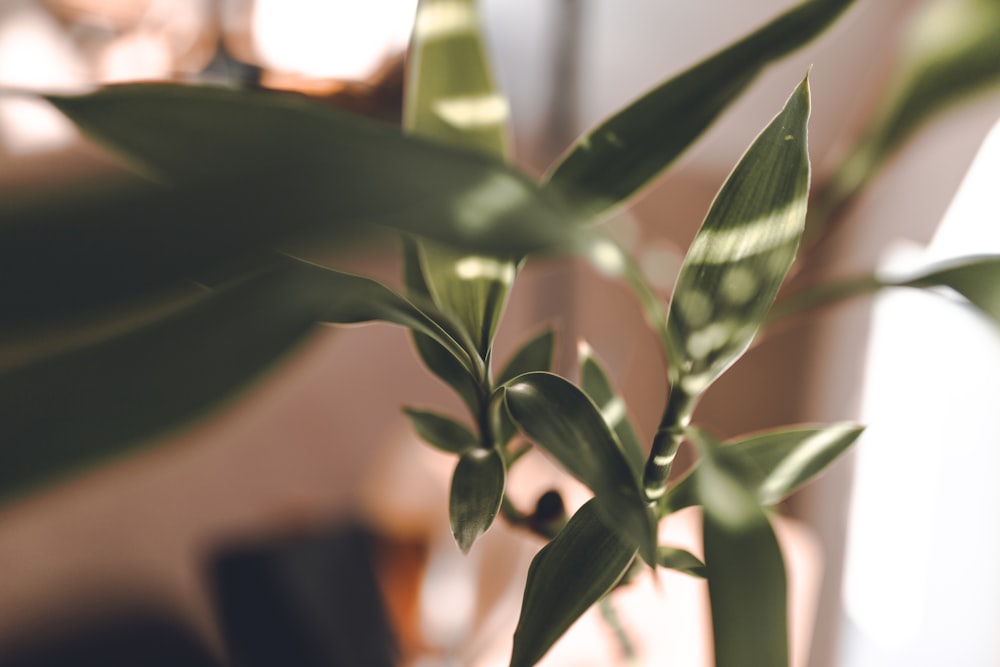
437,359
245,171
442,432
476,492
674,558
595,383
93,402
627,151
575,570
746,574
975,278
782,460
534,355
949,53
450,97
742,252
564,422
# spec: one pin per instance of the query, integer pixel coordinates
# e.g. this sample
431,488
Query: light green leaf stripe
742,252
450,97
575,570
477,488
746,573
624,153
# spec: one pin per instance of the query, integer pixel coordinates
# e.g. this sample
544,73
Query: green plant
171,290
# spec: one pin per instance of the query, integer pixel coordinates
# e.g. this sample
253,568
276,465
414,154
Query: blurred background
892,554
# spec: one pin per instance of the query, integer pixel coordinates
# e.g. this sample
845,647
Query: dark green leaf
680,560
782,460
564,422
975,278
632,147
575,570
442,432
93,402
746,574
450,97
246,170
534,355
595,383
742,252
476,492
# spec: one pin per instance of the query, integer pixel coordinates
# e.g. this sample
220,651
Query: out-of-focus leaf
975,278
93,402
442,432
595,383
564,422
575,570
746,574
476,492
949,53
534,355
742,252
437,359
681,560
782,460
450,97
628,150
245,170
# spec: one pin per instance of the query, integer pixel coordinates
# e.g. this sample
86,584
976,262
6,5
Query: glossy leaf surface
534,355
595,383
781,461
575,570
560,418
746,574
681,560
93,402
450,97
631,148
442,432
742,252
244,171
476,492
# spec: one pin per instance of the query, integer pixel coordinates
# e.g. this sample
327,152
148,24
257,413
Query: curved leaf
476,493
595,383
96,401
742,252
781,461
246,170
442,432
627,151
746,574
575,570
564,422
534,355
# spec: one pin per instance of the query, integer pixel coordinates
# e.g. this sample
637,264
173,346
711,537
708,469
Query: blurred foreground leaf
91,403
241,172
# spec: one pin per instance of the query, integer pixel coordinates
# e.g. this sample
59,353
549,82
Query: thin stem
610,615
823,295
667,441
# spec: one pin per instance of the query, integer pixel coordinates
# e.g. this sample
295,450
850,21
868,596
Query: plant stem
667,441
610,615
823,295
